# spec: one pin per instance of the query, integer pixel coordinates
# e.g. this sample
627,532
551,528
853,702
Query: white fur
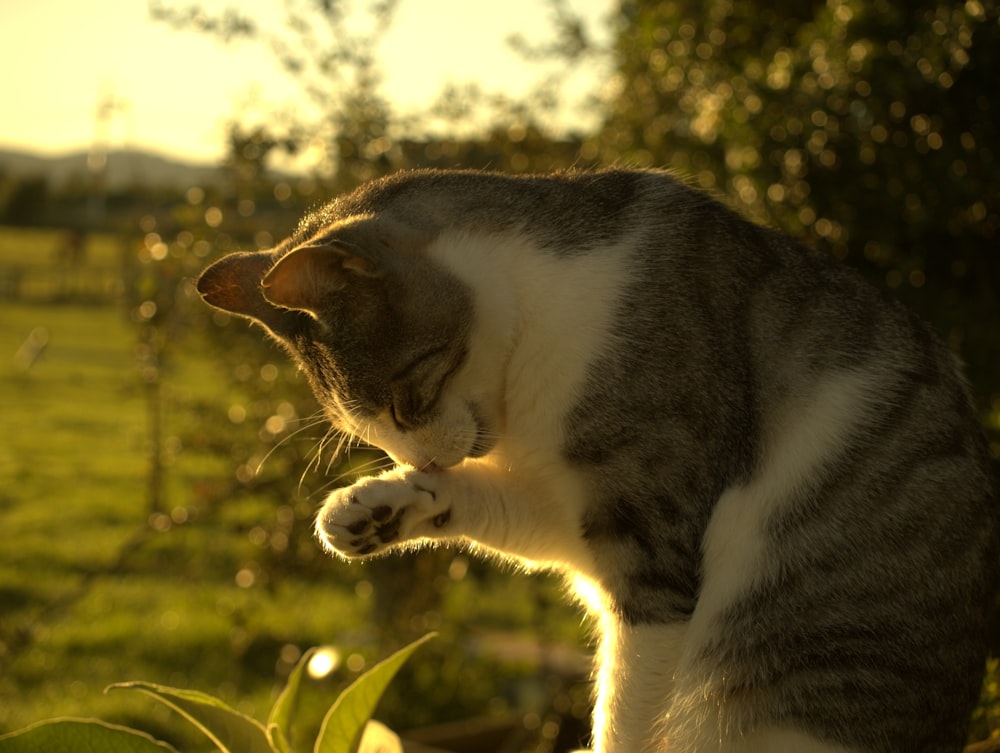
547,317
540,321
636,677
807,433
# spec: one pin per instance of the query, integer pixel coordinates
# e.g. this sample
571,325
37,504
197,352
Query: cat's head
381,331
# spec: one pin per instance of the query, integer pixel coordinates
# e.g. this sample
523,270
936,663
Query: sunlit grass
74,465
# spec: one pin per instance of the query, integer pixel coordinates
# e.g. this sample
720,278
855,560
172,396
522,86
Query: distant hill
124,168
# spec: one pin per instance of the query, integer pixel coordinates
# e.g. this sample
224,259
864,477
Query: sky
176,90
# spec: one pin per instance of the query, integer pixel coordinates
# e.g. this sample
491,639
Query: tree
322,47
868,127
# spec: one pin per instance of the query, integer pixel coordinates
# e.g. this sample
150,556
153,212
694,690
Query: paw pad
368,517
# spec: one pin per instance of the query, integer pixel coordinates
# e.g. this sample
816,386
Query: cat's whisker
338,481
317,457
344,446
374,465
343,440
310,423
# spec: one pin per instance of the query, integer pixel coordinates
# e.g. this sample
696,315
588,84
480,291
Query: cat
765,480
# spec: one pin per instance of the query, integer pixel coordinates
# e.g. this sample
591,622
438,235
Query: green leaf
344,723
284,707
80,736
299,711
279,742
228,729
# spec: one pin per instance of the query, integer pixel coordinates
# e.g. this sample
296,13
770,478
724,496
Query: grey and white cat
765,481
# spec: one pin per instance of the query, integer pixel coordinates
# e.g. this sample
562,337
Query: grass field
210,583
75,464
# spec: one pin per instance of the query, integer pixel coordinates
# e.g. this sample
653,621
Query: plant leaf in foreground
80,736
298,713
228,729
284,708
344,723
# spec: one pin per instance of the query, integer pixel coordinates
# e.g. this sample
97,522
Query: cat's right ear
233,284
304,277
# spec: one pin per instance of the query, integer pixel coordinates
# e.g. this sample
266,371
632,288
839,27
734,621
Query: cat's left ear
304,277
233,284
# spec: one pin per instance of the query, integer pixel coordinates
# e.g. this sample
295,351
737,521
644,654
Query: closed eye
417,388
413,365
398,415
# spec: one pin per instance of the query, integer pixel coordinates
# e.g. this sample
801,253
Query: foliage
330,54
23,200
302,719
329,50
866,127
986,718
79,736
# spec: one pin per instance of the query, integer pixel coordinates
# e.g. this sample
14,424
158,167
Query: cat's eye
415,390
398,417
410,392
404,404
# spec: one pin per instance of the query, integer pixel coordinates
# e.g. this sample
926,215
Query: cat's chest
543,320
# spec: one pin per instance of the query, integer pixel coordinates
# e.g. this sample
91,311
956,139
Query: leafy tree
331,55
330,51
868,127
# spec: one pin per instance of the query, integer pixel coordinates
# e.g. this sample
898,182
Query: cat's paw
377,513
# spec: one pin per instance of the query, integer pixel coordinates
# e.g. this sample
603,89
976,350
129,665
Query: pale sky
179,89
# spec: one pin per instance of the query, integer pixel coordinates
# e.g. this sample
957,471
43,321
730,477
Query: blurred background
160,463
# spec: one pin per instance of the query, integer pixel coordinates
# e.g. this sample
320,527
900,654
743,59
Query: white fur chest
541,320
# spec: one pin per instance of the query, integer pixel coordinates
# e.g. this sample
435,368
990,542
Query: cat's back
741,319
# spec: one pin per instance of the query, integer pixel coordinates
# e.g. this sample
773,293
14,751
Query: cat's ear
233,285
305,276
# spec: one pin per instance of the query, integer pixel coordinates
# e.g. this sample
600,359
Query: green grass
74,468
40,247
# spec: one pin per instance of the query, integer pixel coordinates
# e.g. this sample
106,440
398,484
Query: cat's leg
533,520
638,709
635,681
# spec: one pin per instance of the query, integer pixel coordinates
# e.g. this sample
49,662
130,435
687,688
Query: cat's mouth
450,449
482,445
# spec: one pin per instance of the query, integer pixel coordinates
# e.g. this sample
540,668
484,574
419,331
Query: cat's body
766,481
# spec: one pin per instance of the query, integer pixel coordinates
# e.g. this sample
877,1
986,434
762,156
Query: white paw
375,513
